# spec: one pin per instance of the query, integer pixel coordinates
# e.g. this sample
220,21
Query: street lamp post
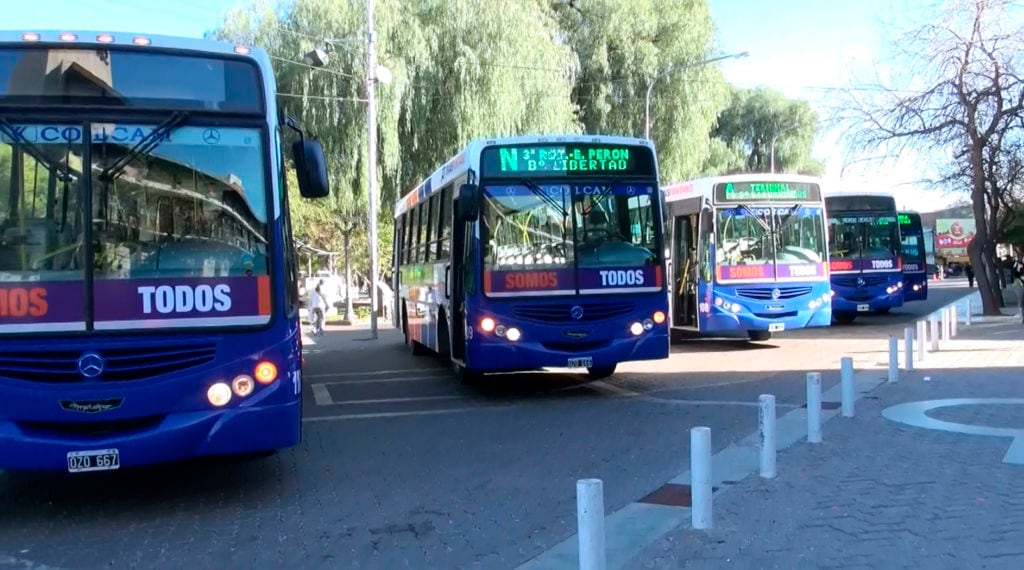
374,74
650,85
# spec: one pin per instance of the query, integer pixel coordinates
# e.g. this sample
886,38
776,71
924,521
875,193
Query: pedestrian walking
970,275
317,310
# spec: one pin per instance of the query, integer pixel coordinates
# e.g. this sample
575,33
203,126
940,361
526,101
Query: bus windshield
528,227
192,208
873,237
769,242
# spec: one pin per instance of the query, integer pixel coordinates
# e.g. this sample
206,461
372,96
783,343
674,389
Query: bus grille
120,363
562,312
869,280
765,293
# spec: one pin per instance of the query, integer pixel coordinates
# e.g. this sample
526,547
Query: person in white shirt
317,309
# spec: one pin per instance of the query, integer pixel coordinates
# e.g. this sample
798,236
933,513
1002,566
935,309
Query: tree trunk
980,244
350,316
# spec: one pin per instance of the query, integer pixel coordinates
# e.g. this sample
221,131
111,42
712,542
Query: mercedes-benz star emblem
776,293
860,282
90,365
211,136
576,312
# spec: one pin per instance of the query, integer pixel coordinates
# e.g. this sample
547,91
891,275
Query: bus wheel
844,318
467,376
759,335
599,372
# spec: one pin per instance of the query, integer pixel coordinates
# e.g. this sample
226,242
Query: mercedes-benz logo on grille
90,365
776,293
860,281
576,312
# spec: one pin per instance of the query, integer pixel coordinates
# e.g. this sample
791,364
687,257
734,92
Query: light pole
650,85
374,73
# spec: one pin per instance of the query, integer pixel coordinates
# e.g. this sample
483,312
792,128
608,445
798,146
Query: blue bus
865,254
535,252
747,255
915,266
149,306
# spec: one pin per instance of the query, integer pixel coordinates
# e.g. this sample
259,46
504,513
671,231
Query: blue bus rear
864,255
758,265
561,264
915,267
164,325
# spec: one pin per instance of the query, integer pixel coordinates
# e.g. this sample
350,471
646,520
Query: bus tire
843,318
758,336
600,372
467,376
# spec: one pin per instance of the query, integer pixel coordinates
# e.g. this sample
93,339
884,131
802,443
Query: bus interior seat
31,238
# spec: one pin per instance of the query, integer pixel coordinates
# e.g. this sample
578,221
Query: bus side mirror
469,203
311,168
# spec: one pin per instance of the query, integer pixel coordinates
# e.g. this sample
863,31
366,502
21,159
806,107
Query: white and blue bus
149,309
535,252
748,255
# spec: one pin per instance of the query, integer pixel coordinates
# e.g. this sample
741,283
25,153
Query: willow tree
625,46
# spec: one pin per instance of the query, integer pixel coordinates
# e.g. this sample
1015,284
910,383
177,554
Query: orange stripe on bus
657,276
263,294
487,281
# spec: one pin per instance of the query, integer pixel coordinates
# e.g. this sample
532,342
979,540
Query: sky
807,49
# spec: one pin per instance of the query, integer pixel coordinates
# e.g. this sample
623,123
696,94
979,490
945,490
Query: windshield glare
769,235
864,237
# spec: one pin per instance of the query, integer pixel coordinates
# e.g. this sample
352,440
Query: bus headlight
243,385
637,329
648,324
659,317
826,297
487,324
219,394
500,330
265,372
735,308
513,334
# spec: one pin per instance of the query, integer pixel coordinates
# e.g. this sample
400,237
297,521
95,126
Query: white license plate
776,327
863,308
585,362
93,460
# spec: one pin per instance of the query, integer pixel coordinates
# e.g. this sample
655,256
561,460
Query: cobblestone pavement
881,494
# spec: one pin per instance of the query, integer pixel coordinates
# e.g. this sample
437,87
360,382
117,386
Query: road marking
377,372
916,414
400,414
321,395
612,389
383,380
396,400
723,403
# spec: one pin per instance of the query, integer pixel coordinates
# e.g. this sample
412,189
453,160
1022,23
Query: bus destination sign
586,159
766,192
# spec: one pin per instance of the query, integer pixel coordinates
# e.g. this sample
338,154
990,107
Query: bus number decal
622,277
881,264
185,299
532,280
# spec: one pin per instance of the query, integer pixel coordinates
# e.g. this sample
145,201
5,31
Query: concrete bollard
967,312
946,328
934,321
922,332
700,478
894,359
908,349
954,310
814,407
766,422
590,523
846,385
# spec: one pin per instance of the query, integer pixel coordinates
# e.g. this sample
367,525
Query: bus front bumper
726,322
177,436
864,303
500,355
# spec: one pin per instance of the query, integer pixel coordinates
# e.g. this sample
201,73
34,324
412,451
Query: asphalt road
401,467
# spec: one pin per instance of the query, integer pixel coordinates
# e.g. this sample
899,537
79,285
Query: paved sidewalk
878,493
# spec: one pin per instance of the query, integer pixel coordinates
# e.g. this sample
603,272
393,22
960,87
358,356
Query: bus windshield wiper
145,145
540,193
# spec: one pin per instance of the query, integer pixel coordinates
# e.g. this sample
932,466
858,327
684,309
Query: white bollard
908,349
922,332
846,385
894,359
700,477
814,407
967,312
934,321
590,523
946,328
766,421
954,311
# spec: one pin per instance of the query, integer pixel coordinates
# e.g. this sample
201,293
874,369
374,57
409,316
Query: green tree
622,47
761,128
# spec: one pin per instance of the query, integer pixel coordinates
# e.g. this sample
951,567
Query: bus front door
684,278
